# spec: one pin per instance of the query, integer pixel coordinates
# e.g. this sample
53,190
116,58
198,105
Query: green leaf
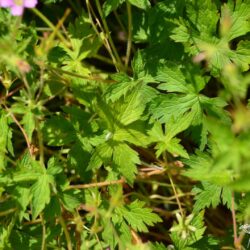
111,5
102,154
168,141
157,246
117,90
29,123
189,230
142,4
4,128
40,194
209,194
57,131
139,217
54,166
201,39
134,133
238,16
171,105
70,200
207,172
125,160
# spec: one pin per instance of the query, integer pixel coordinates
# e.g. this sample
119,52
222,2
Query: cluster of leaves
98,154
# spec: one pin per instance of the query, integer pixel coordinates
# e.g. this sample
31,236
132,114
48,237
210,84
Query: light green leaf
4,128
101,154
40,194
176,149
142,4
209,194
29,123
125,159
139,217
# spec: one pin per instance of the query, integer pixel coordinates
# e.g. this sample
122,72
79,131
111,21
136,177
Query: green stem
103,59
51,25
176,195
43,247
40,142
9,211
66,233
102,37
129,42
105,25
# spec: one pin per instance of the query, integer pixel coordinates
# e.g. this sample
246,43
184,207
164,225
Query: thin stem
56,29
98,184
176,195
26,84
103,59
22,130
129,41
105,25
51,25
9,211
43,247
66,233
236,240
102,37
119,21
40,142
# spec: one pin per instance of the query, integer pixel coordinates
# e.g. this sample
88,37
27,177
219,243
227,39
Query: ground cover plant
124,124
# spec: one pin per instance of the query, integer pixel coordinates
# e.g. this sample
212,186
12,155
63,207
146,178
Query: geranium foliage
124,124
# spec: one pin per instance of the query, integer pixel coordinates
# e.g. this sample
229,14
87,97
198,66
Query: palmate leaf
239,14
137,216
201,37
167,141
84,43
183,86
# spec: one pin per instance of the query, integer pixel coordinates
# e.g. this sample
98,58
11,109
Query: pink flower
17,6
